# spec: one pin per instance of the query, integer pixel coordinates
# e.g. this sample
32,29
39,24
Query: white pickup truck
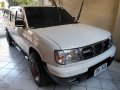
57,46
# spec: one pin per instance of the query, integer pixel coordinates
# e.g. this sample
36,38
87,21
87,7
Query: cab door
17,32
21,32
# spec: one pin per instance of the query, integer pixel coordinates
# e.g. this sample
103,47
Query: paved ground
2,29
15,74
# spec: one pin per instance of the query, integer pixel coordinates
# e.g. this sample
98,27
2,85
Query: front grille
87,52
98,48
95,49
106,45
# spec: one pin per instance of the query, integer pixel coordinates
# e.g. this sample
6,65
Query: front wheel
38,72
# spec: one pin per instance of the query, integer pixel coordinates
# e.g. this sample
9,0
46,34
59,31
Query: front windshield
47,16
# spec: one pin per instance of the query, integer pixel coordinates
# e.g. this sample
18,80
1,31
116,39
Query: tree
2,4
23,2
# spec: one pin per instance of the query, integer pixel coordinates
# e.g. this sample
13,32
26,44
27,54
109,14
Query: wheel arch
31,49
43,66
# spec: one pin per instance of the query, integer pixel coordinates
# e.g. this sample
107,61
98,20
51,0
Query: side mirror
19,23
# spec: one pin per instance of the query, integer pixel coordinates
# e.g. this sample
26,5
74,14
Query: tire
9,39
37,69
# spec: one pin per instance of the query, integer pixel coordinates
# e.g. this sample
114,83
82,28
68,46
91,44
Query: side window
12,17
19,15
16,15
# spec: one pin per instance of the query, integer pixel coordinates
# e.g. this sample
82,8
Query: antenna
57,10
79,14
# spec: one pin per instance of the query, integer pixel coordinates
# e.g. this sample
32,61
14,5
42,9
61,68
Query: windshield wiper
79,14
57,10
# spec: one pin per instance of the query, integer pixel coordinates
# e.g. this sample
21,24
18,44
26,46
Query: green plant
2,4
23,2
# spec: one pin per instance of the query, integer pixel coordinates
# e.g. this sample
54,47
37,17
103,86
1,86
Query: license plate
100,69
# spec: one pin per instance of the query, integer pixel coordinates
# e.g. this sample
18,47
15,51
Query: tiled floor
15,74
2,29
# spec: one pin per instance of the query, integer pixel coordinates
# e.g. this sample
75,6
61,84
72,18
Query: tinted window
47,16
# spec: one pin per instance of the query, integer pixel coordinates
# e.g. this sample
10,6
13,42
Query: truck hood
73,35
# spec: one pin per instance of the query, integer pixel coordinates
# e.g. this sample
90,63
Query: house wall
117,35
100,13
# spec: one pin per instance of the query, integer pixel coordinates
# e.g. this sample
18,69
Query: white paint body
48,39
74,36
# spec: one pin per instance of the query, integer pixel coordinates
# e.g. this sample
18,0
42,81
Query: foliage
23,2
2,4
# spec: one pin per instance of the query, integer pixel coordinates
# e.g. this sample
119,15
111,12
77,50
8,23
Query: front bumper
83,76
80,67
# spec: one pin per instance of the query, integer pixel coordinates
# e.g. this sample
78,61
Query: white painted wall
47,3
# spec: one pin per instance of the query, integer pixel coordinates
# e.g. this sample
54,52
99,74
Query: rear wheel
37,69
9,39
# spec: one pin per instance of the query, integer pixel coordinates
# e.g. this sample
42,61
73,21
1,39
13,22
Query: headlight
67,56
